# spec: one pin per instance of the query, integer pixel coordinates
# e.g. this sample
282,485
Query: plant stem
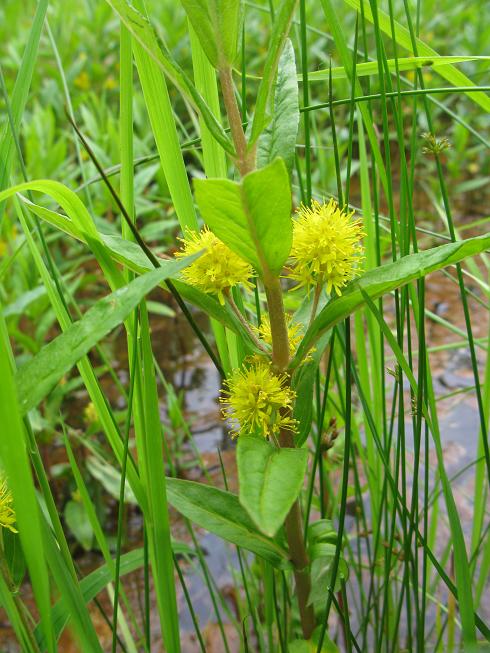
279,328
244,322
280,359
299,557
245,159
294,523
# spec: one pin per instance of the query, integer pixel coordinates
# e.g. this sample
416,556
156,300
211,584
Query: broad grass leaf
16,466
37,377
385,279
279,137
221,513
95,582
131,255
20,94
270,480
401,64
254,217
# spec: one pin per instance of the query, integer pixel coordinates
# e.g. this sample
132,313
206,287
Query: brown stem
294,523
245,158
299,557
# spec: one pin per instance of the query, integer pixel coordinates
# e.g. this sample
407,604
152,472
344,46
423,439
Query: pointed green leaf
221,513
279,137
400,64
385,279
37,377
311,645
282,24
270,480
254,217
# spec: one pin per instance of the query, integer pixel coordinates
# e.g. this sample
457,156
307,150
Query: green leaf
253,218
282,23
76,518
110,479
16,466
37,377
321,576
217,25
279,137
270,480
131,255
401,64
385,279
221,513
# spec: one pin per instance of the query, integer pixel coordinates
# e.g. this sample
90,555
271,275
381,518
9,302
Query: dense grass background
408,148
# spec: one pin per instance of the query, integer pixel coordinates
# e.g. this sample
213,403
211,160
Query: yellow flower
294,333
217,269
258,402
7,514
326,246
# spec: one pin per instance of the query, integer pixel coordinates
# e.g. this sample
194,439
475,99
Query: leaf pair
252,217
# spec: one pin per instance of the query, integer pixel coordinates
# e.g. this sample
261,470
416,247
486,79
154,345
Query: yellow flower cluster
258,402
326,246
7,514
294,333
217,269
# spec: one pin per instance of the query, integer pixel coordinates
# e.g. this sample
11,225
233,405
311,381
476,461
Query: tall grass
382,537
